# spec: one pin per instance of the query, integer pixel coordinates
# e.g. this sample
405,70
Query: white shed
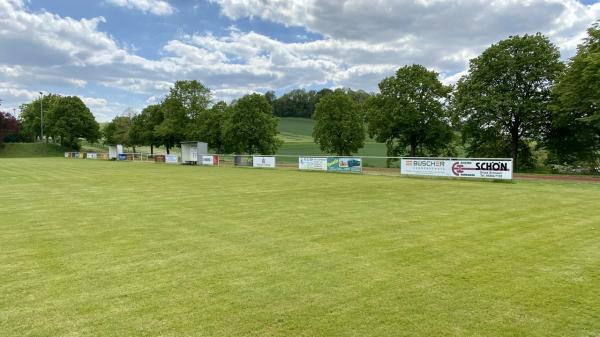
114,151
191,151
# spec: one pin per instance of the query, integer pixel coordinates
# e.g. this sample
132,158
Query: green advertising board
344,164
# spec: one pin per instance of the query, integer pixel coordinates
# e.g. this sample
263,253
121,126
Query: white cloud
156,7
441,34
362,42
428,22
11,95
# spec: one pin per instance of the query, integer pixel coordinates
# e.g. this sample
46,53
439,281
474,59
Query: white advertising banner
91,155
171,159
423,167
263,161
501,169
212,160
312,163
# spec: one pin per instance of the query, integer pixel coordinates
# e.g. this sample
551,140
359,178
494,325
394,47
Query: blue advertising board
344,164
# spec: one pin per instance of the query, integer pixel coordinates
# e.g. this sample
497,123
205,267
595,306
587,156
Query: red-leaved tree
8,125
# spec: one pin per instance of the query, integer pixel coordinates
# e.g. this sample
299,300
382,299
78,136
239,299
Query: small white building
114,151
191,151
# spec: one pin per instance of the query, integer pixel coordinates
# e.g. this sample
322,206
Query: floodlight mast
42,116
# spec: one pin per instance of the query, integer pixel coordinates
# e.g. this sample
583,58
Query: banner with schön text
500,169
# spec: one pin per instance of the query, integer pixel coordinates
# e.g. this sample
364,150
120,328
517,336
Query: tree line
516,98
302,103
247,125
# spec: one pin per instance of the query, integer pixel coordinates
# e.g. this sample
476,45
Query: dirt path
517,176
526,176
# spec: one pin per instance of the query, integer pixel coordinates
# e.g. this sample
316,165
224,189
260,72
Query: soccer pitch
94,248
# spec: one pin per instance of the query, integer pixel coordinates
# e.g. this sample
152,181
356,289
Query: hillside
30,150
296,129
297,136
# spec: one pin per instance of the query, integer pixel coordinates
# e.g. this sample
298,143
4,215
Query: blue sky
120,55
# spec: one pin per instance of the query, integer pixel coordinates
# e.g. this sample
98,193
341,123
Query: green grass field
97,248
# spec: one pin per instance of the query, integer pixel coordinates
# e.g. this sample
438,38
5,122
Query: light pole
42,115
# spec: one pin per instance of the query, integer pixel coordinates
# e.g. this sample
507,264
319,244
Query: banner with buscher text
500,169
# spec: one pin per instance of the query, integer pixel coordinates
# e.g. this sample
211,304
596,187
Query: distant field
98,248
296,129
298,140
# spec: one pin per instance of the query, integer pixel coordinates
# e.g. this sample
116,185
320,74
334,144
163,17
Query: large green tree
575,133
250,126
117,131
31,114
409,115
70,119
339,126
503,100
185,102
143,125
210,125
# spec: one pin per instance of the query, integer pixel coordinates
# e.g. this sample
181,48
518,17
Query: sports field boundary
291,162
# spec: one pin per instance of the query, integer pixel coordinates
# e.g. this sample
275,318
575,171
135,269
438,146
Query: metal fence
368,164
484,168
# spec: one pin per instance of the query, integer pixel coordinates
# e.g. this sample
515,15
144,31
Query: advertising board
501,169
211,160
482,169
344,164
263,161
91,155
241,160
171,159
312,163
424,167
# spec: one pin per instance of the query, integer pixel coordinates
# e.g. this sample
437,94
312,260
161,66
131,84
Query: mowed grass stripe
111,248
